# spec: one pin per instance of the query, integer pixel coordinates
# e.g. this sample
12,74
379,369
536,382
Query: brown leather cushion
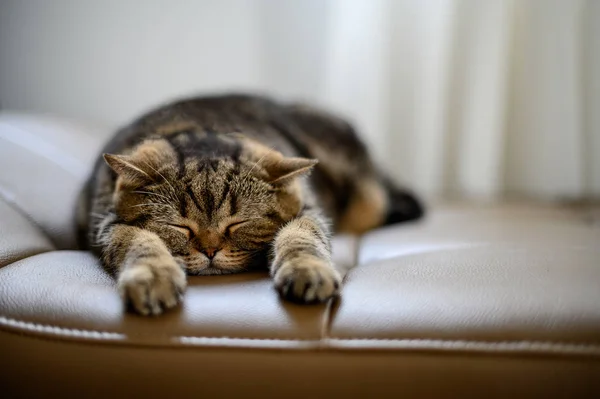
496,300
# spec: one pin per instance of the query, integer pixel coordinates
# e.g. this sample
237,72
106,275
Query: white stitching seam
330,343
69,332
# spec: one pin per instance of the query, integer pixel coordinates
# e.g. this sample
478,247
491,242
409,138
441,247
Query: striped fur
225,184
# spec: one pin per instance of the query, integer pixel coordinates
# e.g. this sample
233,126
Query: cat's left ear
125,167
282,171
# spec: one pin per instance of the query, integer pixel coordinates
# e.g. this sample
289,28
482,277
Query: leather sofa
494,300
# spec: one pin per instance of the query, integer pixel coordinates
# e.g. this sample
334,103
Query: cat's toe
149,289
307,281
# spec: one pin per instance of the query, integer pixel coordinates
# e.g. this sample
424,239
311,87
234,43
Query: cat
227,183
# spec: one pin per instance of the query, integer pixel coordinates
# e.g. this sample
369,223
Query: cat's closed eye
234,226
183,229
189,233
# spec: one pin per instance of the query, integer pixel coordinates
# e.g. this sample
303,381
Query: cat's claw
152,285
307,280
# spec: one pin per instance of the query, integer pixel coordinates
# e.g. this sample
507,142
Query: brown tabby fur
215,185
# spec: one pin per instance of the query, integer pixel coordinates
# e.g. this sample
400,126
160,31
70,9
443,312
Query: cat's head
216,202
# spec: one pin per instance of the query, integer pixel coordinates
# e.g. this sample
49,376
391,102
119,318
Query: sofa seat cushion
481,276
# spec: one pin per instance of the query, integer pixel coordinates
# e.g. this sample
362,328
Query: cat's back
218,113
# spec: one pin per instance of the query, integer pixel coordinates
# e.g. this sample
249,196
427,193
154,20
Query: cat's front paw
307,280
151,285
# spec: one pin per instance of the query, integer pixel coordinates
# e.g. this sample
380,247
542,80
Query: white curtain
471,98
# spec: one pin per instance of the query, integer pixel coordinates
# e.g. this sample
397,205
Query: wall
109,60
470,98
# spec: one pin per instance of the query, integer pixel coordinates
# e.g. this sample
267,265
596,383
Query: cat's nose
210,252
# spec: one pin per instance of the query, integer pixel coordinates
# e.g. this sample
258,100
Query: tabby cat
224,184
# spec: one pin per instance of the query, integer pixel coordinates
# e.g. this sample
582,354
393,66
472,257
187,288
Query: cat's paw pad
307,280
152,285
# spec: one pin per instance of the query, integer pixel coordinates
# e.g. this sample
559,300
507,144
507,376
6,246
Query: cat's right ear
124,166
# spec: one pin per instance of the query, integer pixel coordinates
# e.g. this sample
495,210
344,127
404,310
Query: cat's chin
211,271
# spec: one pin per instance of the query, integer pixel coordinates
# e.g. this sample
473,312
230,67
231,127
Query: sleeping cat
223,184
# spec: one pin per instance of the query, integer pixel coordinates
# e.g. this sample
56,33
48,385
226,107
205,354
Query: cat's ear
126,168
142,165
279,170
282,171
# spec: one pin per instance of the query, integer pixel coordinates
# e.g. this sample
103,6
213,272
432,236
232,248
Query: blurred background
478,99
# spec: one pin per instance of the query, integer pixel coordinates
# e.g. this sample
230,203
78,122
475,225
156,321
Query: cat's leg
374,201
302,269
149,279
365,197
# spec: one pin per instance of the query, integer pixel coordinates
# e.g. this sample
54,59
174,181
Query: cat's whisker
165,221
150,193
254,166
161,175
98,215
152,204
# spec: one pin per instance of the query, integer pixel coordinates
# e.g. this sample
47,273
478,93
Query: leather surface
453,226
19,237
485,291
68,289
33,368
44,162
493,300
490,273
